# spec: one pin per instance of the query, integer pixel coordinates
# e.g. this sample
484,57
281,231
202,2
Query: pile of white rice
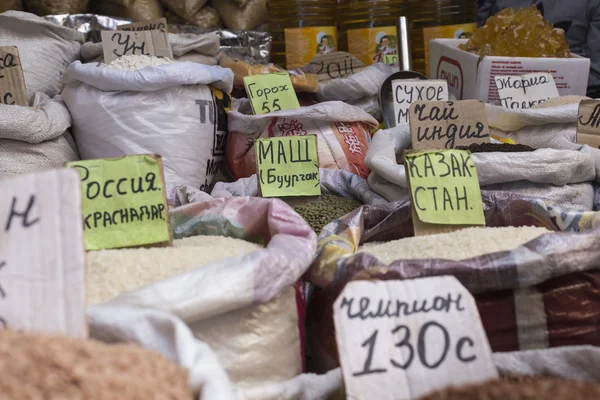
460,245
112,272
135,63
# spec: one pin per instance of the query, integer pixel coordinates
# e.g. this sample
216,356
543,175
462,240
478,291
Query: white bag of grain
562,176
167,109
45,49
242,304
35,138
201,49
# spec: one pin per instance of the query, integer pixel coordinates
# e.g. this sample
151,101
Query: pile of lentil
327,209
496,148
526,388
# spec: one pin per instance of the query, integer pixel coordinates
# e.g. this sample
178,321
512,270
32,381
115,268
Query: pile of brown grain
36,366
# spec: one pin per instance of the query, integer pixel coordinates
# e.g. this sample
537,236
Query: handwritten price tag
42,259
408,91
152,25
446,125
124,43
338,64
588,123
12,81
288,166
400,340
124,202
271,92
525,91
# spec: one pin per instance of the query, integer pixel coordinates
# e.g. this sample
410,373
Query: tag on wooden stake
588,123
42,258
12,80
447,124
400,340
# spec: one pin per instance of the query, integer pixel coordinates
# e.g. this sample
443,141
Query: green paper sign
271,92
444,187
123,202
390,59
288,166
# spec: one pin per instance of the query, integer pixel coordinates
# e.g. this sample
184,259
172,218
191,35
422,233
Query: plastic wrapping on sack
16,5
184,8
117,113
45,49
135,10
343,135
36,138
246,18
206,18
46,7
250,288
201,49
526,297
361,89
549,170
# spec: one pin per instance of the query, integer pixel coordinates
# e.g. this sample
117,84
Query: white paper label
400,340
408,91
42,258
525,91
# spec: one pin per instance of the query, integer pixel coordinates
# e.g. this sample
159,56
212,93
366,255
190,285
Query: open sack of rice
45,49
230,276
561,176
143,104
534,270
201,49
35,138
343,135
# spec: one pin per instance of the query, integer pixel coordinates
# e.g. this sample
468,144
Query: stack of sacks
561,176
202,49
241,298
242,15
191,12
134,10
36,138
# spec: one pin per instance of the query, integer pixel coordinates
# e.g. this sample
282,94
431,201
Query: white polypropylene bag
45,49
202,49
562,176
35,138
168,110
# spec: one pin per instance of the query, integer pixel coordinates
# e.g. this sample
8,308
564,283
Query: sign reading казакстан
124,202
288,166
400,340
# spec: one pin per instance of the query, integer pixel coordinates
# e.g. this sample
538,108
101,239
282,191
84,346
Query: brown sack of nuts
207,18
246,18
52,7
6,5
39,366
184,8
135,10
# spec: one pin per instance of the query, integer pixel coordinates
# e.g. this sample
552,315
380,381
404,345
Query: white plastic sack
168,110
561,176
202,49
36,138
46,49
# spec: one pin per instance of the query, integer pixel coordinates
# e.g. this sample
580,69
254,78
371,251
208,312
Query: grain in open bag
202,49
35,138
563,176
45,49
243,304
538,295
172,110
343,135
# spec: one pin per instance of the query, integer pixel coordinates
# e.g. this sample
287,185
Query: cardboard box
470,77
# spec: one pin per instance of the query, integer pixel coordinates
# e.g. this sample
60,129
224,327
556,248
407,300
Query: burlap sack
246,18
206,18
6,5
53,7
202,49
542,294
184,8
46,49
35,138
135,10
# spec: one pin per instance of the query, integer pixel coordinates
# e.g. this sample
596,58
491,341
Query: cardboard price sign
152,25
124,43
408,91
444,188
124,202
338,64
288,166
588,123
12,81
446,125
271,92
42,259
525,91
400,340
